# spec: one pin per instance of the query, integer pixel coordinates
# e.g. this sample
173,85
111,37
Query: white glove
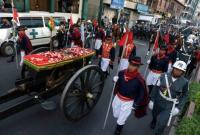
151,105
148,61
22,53
189,61
115,78
148,53
169,68
175,111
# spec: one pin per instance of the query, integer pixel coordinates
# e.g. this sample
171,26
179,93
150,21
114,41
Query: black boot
105,74
150,88
118,129
153,124
11,59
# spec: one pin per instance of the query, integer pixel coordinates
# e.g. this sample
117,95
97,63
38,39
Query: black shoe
9,61
153,124
118,129
106,74
117,132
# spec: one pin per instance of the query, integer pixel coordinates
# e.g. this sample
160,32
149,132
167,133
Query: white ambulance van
37,29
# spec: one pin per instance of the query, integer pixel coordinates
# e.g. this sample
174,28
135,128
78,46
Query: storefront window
5,22
5,5
67,6
19,4
40,5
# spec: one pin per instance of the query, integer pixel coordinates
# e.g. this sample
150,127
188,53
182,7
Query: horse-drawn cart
47,74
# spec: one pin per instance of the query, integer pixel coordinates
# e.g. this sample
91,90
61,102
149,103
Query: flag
166,38
123,39
51,24
15,15
71,21
156,43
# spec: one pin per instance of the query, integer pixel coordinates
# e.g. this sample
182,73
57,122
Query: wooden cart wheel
82,92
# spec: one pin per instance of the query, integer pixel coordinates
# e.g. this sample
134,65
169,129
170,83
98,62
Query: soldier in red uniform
157,65
100,37
172,54
24,45
76,37
129,51
116,32
107,54
131,93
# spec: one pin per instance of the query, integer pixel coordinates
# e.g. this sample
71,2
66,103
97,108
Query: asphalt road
37,121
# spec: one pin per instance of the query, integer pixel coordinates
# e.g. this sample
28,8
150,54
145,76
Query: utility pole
100,11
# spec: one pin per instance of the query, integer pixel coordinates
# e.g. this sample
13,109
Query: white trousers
152,78
121,110
98,44
104,64
123,64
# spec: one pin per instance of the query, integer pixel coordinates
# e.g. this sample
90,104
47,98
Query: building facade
68,7
197,15
169,8
93,9
130,11
189,12
175,8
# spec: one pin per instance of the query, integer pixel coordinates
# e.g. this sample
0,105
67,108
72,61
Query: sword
16,57
174,101
15,44
170,117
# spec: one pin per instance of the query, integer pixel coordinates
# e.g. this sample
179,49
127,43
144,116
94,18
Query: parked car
37,30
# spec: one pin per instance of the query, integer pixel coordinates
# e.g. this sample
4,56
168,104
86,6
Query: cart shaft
27,102
17,108
11,95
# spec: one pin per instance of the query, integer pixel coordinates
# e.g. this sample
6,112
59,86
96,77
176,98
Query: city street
37,121
64,79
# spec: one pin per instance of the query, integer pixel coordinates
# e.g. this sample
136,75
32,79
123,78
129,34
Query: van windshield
5,23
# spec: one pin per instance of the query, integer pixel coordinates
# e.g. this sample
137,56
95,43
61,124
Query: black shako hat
109,36
135,61
21,28
163,47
